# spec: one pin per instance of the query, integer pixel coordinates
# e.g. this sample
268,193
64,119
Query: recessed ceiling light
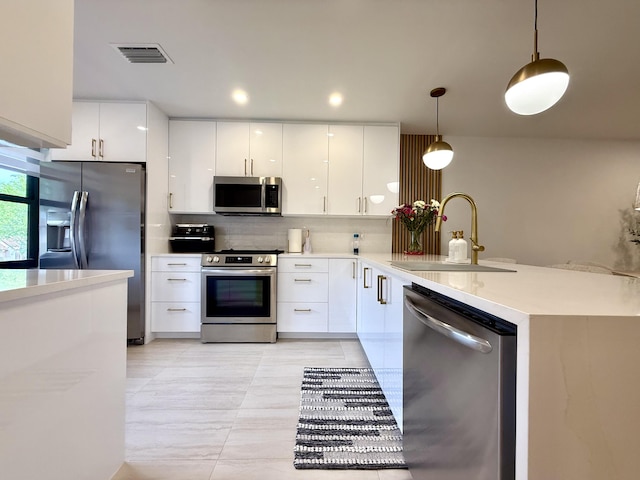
240,97
335,99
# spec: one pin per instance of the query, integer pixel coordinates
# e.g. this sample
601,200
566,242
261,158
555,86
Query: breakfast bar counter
62,373
577,382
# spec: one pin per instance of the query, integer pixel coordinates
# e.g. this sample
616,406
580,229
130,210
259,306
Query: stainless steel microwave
247,195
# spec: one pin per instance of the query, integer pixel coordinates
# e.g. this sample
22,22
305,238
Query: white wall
545,201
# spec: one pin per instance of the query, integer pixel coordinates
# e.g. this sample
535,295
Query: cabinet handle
177,279
176,264
302,280
364,277
170,200
365,204
252,167
353,270
176,309
324,204
359,204
302,310
245,167
101,149
307,265
381,300
93,147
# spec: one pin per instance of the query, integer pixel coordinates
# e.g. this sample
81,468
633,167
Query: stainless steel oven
239,296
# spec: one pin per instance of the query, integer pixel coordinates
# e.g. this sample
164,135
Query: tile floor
225,411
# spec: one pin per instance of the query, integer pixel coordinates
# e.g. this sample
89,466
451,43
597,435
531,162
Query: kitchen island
578,388
62,373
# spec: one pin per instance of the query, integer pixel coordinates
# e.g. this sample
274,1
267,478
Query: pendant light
538,85
438,154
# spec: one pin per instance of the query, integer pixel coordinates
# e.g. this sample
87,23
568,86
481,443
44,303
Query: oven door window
234,296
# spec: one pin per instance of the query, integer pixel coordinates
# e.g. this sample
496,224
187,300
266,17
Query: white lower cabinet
380,297
316,295
175,293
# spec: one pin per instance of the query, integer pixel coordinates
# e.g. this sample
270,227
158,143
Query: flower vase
415,247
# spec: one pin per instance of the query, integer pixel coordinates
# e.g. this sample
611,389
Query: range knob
216,259
260,259
267,259
209,259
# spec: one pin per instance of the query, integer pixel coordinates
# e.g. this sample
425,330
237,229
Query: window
18,213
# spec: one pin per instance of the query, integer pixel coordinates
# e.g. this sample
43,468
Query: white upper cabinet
345,170
249,149
37,72
192,162
305,153
112,132
380,183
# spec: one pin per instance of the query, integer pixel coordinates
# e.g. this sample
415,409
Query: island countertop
529,291
24,283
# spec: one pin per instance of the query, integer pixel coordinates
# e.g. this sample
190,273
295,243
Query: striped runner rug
345,422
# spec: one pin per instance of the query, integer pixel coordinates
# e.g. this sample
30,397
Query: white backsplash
328,234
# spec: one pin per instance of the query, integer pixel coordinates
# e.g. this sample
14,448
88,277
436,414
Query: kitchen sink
446,267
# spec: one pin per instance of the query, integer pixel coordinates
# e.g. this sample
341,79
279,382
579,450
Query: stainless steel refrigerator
92,216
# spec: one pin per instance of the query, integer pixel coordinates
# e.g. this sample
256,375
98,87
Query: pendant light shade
439,153
538,85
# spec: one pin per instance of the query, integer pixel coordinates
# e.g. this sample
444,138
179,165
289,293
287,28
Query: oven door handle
265,272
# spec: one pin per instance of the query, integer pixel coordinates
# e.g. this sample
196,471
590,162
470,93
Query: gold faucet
475,247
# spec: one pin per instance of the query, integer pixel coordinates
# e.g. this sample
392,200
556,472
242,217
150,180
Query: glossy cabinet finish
175,293
345,170
381,169
106,131
342,295
305,150
380,330
249,149
192,163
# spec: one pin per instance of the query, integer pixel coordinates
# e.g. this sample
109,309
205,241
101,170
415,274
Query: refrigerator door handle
73,225
82,230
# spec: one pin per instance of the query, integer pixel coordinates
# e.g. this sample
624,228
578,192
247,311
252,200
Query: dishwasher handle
471,341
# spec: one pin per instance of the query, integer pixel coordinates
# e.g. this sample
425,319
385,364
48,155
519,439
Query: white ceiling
384,56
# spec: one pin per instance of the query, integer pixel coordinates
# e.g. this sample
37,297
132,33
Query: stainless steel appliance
459,390
92,216
192,238
247,195
239,296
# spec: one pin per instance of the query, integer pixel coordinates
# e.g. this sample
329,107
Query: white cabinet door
392,293
175,317
123,132
371,319
85,133
304,169
303,287
342,295
111,132
345,170
192,160
232,149
175,286
302,317
381,165
265,149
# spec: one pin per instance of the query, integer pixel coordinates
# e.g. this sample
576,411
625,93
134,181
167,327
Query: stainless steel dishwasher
459,390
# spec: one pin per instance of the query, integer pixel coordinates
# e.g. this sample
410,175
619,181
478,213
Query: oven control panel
226,260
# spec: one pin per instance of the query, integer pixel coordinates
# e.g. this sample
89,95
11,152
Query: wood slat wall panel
417,182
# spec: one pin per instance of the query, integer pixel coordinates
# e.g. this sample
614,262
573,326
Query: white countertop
17,284
530,291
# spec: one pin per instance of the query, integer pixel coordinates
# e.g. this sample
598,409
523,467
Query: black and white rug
345,422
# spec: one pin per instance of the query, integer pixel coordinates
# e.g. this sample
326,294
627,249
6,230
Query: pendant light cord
437,117
536,55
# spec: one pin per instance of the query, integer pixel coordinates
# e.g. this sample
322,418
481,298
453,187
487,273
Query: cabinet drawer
175,286
303,264
303,287
177,263
175,317
302,317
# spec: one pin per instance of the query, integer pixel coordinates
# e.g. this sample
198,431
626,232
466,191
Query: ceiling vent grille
142,53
